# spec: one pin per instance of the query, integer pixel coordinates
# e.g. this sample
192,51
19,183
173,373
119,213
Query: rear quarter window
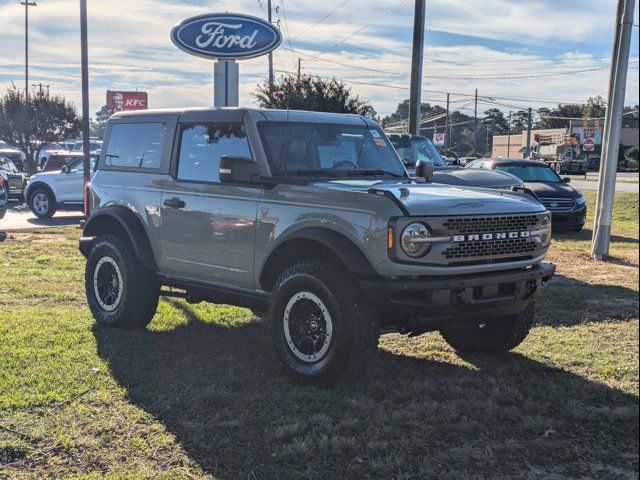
136,146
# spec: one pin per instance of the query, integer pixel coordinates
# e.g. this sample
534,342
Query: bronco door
207,229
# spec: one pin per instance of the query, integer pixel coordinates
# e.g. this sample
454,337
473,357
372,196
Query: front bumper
570,220
422,304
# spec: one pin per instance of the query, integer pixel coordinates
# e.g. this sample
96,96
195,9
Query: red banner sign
118,101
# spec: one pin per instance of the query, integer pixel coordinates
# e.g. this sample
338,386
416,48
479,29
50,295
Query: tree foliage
313,94
31,122
99,122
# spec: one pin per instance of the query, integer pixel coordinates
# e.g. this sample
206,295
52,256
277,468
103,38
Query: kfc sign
123,101
226,36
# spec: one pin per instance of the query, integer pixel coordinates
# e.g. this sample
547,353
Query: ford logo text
226,36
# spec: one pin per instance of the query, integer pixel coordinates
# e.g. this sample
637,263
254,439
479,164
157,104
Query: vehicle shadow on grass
222,394
589,302
586,234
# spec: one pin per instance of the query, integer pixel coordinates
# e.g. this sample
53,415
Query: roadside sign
589,133
589,145
438,139
226,36
118,101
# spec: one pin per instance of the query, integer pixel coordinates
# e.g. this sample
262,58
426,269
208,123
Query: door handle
174,203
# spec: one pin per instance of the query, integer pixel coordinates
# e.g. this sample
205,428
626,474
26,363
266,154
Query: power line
371,23
309,27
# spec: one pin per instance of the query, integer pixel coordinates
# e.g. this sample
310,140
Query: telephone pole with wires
269,17
26,4
416,67
475,123
612,127
446,127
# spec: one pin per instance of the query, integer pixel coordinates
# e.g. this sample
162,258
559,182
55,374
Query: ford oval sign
226,36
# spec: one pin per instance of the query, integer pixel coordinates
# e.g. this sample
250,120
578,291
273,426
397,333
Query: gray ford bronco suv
312,220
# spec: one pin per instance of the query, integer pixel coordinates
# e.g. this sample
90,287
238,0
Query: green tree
31,122
99,123
313,94
596,107
569,110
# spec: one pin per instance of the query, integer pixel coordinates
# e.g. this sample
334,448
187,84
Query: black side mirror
237,169
566,180
424,170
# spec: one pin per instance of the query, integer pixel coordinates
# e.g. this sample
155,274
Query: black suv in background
567,204
412,148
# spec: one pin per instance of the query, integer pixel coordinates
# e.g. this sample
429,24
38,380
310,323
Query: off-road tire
51,200
494,336
356,330
140,291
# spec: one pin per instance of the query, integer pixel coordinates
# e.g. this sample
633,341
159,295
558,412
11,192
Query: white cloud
130,48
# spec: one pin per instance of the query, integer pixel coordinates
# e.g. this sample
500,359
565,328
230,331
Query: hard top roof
274,115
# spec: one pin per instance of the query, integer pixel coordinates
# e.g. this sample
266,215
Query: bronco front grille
489,248
491,224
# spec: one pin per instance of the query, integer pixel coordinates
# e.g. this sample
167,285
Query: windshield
413,149
7,165
297,148
531,173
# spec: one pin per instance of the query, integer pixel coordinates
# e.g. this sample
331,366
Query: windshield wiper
311,171
374,172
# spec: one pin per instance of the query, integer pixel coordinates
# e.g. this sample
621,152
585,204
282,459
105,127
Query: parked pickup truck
311,220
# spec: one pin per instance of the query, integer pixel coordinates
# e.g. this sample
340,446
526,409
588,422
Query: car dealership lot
199,394
19,217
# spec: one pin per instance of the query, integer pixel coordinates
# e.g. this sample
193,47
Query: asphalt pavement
19,217
625,182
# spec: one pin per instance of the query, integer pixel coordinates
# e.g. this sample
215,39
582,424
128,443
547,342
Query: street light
26,4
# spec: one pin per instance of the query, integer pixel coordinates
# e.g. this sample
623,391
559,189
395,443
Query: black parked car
568,205
3,197
412,148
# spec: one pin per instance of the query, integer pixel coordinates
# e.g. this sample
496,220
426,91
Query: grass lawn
199,394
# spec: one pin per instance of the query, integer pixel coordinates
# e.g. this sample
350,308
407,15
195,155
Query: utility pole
270,53
416,67
446,127
475,124
299,68
26,4
529,122
40,87
509,137
84,54
613,124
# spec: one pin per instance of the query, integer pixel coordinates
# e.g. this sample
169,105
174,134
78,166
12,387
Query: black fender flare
129,223
343,248
33,187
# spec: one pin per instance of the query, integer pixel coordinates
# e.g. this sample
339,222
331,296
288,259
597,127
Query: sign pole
226,83
85,91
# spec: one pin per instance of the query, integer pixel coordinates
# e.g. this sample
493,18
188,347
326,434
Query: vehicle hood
476,178
434,199
44,175
553,190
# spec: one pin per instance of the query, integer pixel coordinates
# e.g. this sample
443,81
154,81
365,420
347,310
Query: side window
475,165
202,146
79,165
136,145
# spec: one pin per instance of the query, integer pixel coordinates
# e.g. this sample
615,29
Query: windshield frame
396,169
432,152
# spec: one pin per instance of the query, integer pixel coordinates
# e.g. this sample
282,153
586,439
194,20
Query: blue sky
500,47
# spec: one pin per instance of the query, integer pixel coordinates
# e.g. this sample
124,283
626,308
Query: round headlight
415,240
